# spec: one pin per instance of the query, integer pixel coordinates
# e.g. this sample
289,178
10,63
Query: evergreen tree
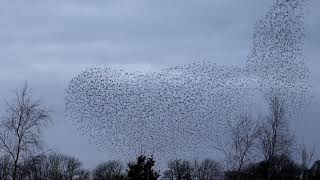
142,169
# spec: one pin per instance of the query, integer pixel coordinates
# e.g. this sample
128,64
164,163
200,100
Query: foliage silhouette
142,169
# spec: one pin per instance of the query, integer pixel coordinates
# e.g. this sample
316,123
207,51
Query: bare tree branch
22,126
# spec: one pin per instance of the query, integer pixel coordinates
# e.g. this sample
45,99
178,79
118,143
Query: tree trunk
14,172
16,162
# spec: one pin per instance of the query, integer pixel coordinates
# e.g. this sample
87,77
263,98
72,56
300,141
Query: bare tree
276,138
306,158
239,146
5,167
112,170
21,128
54,167
178,170
71,167
83,175
34,167
206,170
60,166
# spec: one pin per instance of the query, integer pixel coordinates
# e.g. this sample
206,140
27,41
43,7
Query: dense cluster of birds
276,56
170,111
180,111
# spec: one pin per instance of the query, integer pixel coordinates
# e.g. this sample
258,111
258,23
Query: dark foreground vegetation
56,166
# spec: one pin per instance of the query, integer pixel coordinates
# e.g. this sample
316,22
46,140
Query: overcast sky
49,42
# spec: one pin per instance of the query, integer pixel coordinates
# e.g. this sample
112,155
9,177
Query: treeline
54,166
261,147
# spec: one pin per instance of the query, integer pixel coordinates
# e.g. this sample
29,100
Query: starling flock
179,112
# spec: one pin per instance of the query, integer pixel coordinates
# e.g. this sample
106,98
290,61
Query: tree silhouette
178,170
142,169
21,129
112,170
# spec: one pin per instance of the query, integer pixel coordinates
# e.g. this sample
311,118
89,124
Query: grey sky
49,42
